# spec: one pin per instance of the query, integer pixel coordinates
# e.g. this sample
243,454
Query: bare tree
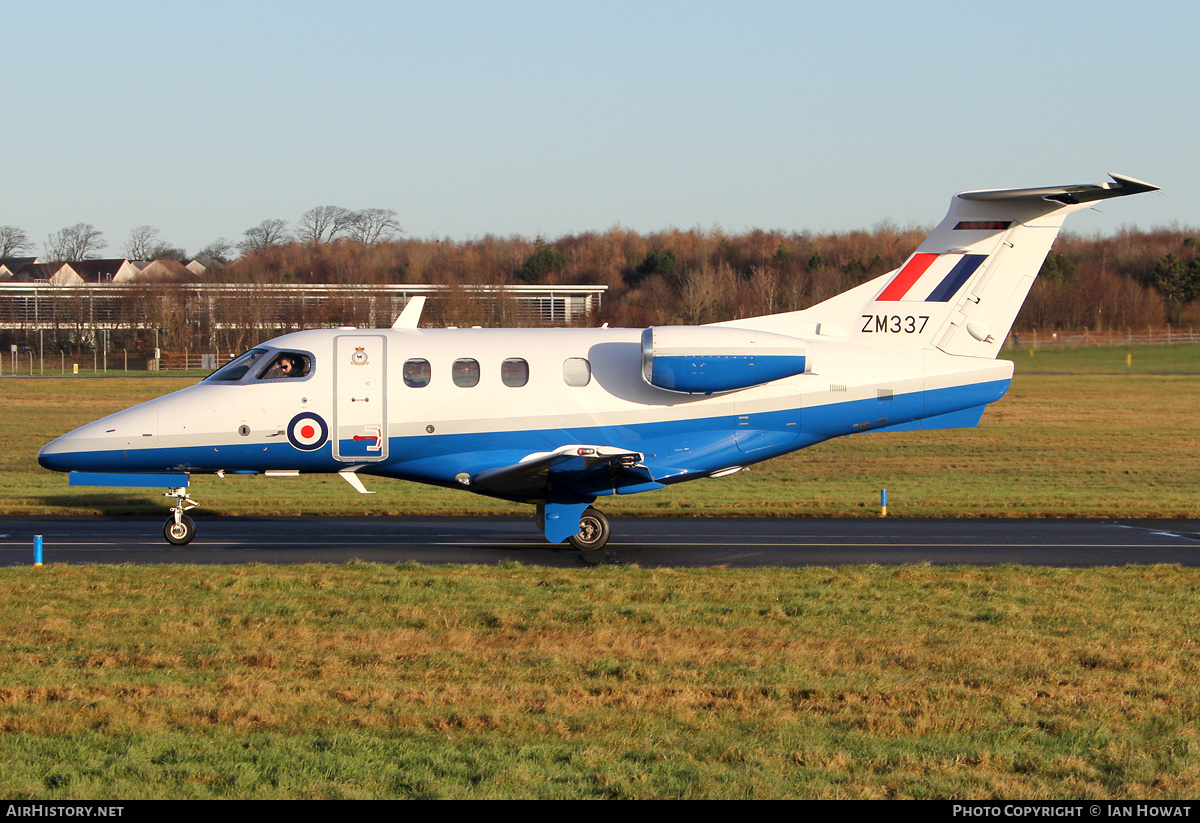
766,283
267,233
141,242
79,242
219,249
13,241
369,226
165,251
706,292
323,223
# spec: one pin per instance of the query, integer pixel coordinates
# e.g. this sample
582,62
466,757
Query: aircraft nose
56,455
106,443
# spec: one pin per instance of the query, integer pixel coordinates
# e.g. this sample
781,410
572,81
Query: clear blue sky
471,118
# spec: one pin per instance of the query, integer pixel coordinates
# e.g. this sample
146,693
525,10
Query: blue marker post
883,502
37,550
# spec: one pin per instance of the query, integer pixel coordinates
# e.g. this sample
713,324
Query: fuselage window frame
417,373
514,372
465,372
577,371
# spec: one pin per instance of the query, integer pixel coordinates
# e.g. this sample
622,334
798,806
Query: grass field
1079,434
405,681
1115,360
373,681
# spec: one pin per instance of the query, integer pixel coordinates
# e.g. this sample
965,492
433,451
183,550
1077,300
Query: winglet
411,315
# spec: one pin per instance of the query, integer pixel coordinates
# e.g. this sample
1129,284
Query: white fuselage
580,386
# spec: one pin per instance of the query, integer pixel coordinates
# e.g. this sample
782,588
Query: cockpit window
264,364
286,365
236,369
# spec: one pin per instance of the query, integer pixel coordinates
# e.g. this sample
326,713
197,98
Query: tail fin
961,290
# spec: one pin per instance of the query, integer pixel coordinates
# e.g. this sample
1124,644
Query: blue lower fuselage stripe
674,450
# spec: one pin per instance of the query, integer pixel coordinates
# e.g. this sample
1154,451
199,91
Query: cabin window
514,372
236,369
577,371
417,373
466,372
286,365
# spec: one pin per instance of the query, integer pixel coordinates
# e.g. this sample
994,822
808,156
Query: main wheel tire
181,533
594,531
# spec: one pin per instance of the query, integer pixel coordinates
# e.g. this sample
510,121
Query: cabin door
360,398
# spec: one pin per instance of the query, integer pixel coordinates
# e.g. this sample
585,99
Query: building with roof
102,271
9,266
166,271
56,273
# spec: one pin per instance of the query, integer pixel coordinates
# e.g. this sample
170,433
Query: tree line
322,224
1131,279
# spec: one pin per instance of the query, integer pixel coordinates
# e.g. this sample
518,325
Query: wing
587,471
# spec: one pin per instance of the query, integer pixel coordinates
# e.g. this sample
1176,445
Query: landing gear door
360,398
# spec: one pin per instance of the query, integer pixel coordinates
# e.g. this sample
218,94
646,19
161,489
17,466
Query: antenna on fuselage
411,315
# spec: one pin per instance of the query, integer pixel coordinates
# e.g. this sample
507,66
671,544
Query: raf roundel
307,431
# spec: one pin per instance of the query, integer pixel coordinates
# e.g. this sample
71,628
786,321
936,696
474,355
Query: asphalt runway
647,542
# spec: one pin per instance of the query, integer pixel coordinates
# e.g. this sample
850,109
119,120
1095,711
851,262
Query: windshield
236,369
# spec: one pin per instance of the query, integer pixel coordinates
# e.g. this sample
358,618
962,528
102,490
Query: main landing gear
573,521
179,528
594,531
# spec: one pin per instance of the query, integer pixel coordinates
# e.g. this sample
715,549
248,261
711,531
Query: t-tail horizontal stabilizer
1070,195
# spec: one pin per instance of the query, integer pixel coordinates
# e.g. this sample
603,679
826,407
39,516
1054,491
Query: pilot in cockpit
286,365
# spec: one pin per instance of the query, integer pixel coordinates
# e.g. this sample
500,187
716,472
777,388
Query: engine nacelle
708,359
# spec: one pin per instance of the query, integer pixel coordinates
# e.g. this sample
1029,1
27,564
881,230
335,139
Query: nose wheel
181,533
179,528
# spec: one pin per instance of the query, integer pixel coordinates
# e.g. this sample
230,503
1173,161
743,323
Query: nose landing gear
179,528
